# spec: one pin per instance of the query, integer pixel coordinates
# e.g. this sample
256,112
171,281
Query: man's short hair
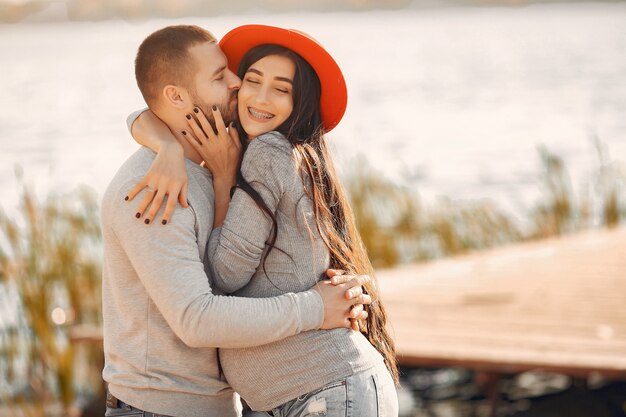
163,58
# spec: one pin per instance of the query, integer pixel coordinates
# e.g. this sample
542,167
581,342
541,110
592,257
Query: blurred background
470,125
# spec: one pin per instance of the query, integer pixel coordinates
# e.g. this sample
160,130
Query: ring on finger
151,190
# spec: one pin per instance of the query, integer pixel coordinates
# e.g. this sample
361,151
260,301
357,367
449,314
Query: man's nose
234,81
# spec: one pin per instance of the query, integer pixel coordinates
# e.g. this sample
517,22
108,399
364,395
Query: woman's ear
175,96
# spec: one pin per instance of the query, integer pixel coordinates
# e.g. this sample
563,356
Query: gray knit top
270,375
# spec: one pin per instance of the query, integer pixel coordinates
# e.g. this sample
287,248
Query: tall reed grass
397,227
50,258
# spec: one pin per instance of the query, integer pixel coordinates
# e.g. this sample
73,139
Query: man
162,320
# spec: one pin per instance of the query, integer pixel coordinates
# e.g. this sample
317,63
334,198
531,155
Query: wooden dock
553,305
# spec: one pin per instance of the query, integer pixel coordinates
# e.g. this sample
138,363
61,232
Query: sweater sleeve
167,261
236,249
132,117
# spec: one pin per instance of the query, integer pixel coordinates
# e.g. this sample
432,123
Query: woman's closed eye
252,81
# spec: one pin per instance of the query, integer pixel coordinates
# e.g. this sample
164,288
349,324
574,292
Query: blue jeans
371,393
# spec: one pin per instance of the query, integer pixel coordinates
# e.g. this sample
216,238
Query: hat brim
334,94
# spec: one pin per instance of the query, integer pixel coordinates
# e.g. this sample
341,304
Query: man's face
214,83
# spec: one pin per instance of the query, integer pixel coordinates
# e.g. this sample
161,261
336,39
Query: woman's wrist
222,187
148,130
169,146
224,183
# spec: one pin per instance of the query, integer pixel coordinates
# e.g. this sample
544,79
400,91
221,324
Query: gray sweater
163,320
269,375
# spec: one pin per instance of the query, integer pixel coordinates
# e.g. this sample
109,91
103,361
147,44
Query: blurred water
454,101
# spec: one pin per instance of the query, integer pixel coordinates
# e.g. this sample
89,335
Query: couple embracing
241,269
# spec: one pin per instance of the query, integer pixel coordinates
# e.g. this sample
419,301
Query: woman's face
265,98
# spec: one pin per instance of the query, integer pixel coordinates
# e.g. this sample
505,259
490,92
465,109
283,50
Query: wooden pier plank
556,305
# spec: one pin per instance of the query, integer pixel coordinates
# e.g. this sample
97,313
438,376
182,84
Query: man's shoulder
126,177
131,171
136,165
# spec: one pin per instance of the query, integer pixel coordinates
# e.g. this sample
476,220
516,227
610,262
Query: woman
289,216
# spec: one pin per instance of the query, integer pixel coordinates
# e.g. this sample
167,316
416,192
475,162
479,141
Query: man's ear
175,96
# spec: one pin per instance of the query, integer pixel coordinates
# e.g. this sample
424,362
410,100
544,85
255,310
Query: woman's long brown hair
334,218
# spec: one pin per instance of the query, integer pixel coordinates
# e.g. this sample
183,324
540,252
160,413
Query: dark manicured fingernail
188,117
234,124
214,107
164,222
195,110
126,198
147,221
138,215
184,133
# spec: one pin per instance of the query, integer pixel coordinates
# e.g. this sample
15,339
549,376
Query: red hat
334,97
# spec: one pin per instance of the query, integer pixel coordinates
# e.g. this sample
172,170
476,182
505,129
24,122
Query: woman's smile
259,115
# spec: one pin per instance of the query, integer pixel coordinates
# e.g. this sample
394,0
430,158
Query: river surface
452,101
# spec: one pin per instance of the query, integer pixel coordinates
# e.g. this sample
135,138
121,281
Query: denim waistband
113,403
